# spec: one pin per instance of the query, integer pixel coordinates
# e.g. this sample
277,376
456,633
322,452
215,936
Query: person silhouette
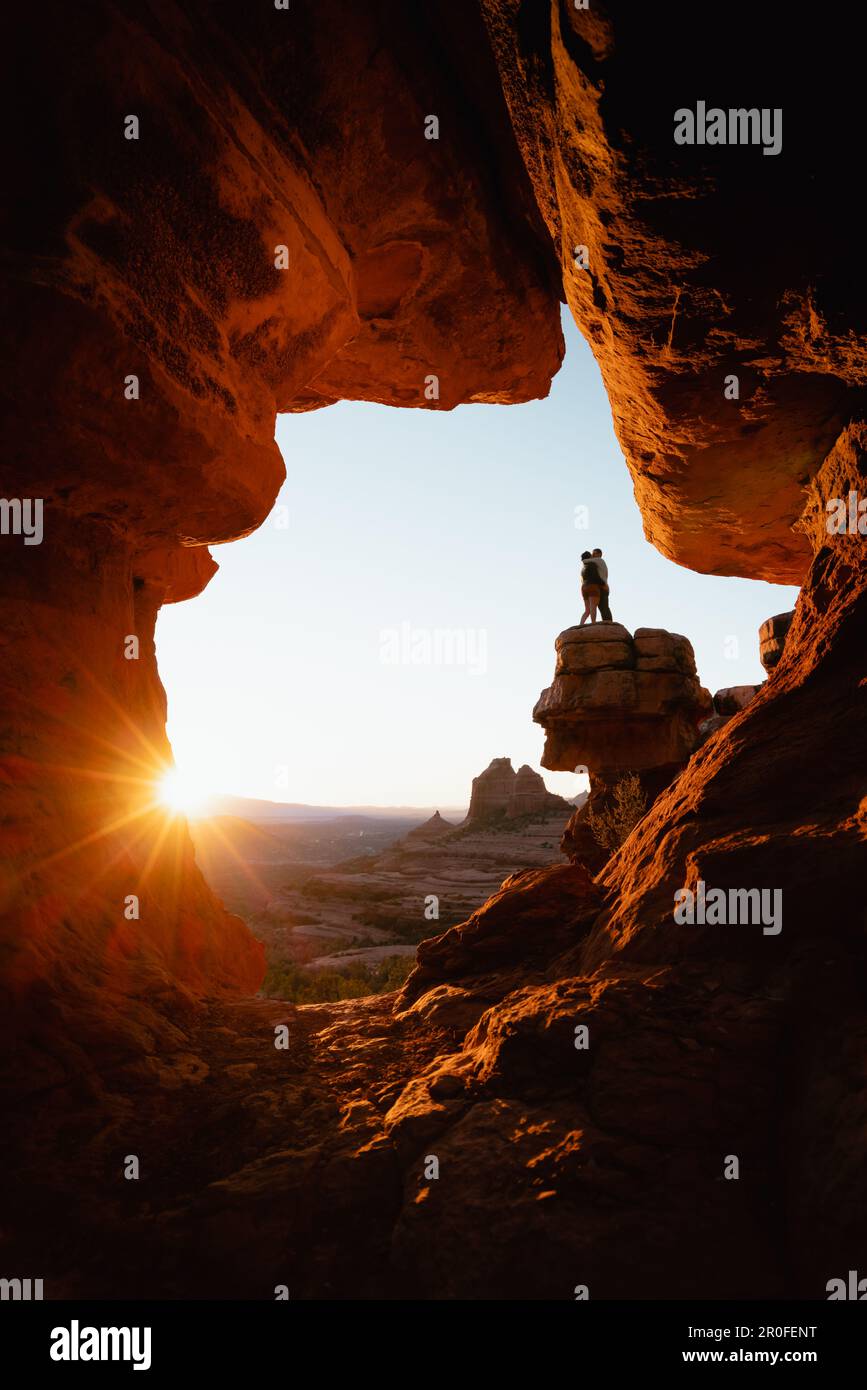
602,568
591,587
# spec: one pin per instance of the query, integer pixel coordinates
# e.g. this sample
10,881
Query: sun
181,794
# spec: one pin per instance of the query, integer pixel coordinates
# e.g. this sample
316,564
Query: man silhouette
604,606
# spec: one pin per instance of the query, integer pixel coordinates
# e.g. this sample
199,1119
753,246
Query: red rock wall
777,798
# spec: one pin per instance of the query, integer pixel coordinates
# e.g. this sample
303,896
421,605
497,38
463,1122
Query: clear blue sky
281,681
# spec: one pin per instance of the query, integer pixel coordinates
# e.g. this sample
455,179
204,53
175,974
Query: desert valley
341,904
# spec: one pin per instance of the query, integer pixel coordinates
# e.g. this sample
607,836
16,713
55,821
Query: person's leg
593,604
604,606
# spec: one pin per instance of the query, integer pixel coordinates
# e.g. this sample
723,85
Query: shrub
291,981
611,825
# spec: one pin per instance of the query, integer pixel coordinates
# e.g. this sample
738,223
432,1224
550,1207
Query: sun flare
181,794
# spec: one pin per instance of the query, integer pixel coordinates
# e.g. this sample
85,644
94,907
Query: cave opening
385,633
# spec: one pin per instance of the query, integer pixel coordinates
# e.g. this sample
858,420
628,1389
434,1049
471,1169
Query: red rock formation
726,703
536,914
501,791
733,698
492,791
530,796
621,705
772,638
431,829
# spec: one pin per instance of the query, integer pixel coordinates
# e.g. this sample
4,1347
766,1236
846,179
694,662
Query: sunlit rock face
621,704
694,272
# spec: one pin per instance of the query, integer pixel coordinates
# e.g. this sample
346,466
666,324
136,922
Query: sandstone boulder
726,704
733,698
657,650
608,711
574,657
593,633
772,638
516,925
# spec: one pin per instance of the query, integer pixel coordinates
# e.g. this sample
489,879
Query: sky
389,628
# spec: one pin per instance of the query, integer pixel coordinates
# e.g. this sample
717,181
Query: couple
594,587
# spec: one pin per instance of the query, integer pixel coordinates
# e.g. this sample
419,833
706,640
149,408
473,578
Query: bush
628,803
300,986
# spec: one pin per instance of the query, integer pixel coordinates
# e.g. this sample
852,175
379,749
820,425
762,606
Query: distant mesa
530,795
432,829
500,791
